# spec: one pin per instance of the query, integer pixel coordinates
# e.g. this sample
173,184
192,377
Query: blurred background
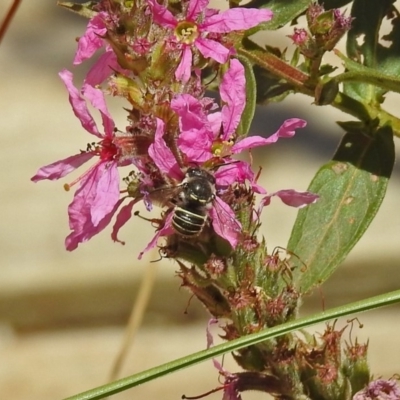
62,314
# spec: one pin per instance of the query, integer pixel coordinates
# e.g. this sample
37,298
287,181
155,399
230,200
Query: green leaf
361,73
382,57
245,341
351,188
83,9
269,87
284,11
251,97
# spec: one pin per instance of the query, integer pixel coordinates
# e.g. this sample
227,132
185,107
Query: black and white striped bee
195,204
195,199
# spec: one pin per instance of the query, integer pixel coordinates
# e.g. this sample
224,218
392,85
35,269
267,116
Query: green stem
365,112
245,341
302,83
275,65
375,79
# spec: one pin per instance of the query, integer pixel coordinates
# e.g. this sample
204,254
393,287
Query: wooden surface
62,314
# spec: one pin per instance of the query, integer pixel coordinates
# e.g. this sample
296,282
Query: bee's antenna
216,166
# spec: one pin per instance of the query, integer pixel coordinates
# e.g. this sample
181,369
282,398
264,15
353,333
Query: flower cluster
153,55
380,389
326,29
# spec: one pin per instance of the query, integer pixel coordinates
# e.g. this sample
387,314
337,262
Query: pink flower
380,389
97,198
205,136
199,24
299,37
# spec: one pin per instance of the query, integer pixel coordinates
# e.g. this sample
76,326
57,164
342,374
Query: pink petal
123,217
266,201
164,231
285,131
190,112
80,213
210,343
233,173
84,230
257,188
209,12
212,49
61,168
291,198
236,19
162,155
92,39
196,136
102,69
196,145
195,8
224,222
161,15
238,172
296,199
106,191
251,142
214,121
98,101
210,339
79,104
233,94
184,68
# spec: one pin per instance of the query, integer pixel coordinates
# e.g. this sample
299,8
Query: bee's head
194,173
199,186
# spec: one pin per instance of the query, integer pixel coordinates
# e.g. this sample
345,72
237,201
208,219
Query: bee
194,205
195,199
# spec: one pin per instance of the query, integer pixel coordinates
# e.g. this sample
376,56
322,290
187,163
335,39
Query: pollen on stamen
68,186
186,32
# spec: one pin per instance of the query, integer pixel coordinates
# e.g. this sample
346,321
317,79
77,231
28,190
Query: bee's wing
165,196
224,222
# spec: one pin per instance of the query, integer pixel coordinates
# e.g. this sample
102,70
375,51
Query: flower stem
303,83
7,20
